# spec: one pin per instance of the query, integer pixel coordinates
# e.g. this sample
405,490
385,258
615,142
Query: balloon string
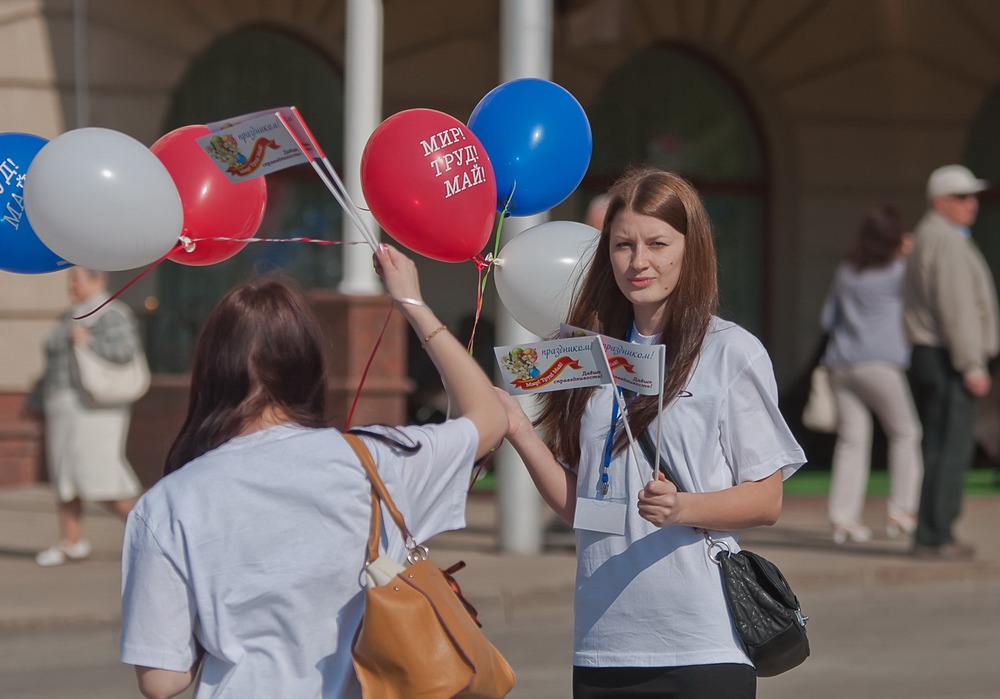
481,265
364,374
484,265
139,276
315,241
481,466
181,244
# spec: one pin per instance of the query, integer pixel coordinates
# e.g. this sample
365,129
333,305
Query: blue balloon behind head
20,249
538,139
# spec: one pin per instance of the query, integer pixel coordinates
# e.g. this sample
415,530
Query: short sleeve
158,609
432,482
756,439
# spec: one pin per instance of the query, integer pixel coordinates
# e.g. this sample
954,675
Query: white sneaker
857,533
902,524
63,552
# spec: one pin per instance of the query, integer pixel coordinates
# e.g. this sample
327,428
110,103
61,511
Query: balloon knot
483,263
188,244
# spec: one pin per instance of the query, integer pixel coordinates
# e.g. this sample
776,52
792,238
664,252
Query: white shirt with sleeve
254,551
653,598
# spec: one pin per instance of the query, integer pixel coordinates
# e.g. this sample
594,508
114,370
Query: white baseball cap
953,179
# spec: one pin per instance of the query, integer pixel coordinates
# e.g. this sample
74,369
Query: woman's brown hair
879,239
260,347
601,307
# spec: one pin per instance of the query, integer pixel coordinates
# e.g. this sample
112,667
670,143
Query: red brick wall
20,443
351,326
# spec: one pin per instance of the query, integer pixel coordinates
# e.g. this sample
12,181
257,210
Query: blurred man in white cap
951,319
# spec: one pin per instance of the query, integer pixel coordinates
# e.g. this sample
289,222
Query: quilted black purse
765,611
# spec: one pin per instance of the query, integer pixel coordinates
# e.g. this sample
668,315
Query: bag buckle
418,552
713,544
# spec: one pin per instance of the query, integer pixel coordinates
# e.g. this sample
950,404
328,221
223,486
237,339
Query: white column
526,52
362,113
81,83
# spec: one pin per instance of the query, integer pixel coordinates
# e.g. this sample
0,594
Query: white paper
605,515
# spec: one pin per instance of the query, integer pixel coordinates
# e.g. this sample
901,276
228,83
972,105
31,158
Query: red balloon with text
430,185
214,206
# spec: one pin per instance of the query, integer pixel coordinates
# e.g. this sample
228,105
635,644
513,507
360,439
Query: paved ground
882,624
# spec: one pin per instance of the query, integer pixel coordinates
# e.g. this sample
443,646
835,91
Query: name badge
606,515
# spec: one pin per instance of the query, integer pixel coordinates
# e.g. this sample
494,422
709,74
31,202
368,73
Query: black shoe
949,552
956,551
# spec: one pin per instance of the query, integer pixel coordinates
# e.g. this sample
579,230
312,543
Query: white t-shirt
256,549
652,598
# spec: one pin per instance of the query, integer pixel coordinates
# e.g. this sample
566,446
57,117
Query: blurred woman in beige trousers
867,355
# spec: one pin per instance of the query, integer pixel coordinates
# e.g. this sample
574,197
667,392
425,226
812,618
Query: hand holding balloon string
398,274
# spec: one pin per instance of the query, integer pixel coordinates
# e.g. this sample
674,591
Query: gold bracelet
431,336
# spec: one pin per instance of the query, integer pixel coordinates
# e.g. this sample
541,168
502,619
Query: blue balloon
538,139
20,249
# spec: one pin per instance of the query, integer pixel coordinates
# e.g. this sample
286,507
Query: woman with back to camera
247,557
650,616
867,354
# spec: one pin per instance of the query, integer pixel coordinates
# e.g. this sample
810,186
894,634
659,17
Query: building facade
790,116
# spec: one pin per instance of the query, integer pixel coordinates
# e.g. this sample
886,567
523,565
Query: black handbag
765,612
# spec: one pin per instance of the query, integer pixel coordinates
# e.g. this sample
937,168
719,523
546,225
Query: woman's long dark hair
601,307
260,347
879,239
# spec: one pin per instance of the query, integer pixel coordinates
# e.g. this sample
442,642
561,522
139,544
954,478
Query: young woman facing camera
650,616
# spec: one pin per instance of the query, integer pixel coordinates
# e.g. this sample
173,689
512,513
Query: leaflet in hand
636,368
578,360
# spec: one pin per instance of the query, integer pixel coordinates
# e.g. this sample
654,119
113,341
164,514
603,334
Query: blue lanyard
604,482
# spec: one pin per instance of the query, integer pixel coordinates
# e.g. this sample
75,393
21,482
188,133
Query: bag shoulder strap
380,494
649,450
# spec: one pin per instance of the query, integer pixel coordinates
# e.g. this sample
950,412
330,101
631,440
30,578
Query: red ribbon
616,362
550,375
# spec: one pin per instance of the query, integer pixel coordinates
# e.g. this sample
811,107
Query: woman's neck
648,321
270,417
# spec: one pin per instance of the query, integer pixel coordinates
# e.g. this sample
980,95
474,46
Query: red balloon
430,185
214,207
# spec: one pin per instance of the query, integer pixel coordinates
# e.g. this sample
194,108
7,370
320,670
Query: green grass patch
487,483
980,481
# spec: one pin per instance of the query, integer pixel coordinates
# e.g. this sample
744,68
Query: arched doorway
250,70
671,108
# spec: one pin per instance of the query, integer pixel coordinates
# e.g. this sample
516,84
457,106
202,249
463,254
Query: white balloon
100,199
537,272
